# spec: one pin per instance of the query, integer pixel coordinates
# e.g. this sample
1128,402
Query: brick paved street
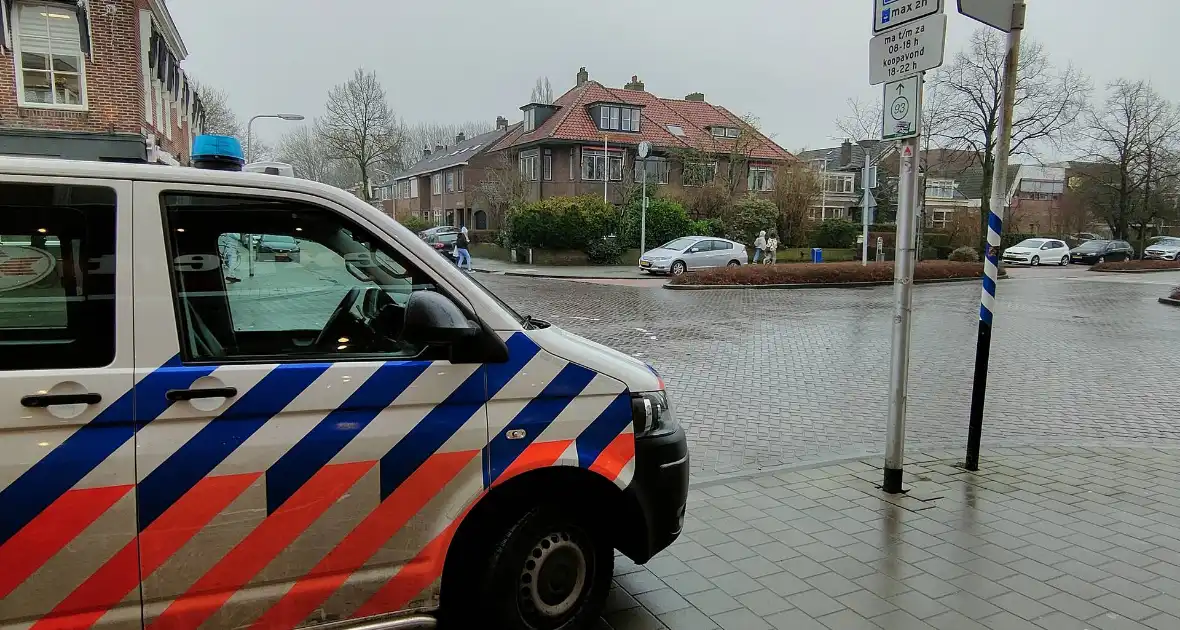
1040,539
769,378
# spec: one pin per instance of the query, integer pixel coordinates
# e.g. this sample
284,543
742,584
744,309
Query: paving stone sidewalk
1040,539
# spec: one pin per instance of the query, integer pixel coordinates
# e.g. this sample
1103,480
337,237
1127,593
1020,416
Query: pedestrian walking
759,246
461,245
770,257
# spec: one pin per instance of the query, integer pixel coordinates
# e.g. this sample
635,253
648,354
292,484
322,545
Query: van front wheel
550,571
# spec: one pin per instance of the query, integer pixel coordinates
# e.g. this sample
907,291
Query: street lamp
250,124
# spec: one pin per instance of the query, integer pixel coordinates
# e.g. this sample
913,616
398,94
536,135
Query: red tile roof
572,122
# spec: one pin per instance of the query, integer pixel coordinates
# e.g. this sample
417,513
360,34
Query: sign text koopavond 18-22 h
910,49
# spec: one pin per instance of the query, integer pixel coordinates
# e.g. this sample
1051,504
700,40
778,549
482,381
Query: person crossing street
461,245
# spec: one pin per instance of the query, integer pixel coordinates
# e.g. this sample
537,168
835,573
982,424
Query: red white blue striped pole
995,225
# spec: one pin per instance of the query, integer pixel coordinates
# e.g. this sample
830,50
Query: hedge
828,273
666,220
563,222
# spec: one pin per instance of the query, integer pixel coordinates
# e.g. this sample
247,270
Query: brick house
442,187
586,141
90,80
841,170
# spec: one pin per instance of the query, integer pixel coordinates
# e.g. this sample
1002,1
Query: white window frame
761,179
817,213
718,132
459,179
547,165
610,118
839,183
530,119
528,165
597,160
414,188
660,167
436,184
940,185
450,181
573,161
732,132
14,18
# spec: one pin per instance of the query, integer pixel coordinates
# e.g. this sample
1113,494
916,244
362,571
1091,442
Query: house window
761,179
528,166
699,173
941,218
48,44
725,132
594,165
450,181
732,132
547,165
823,214
530,119
572,158
460,177
414,188
618,118
436,184
839,183
656,168
940,189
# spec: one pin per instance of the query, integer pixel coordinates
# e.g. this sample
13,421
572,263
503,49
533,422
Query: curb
1170,301
1134,270
521,274
816,285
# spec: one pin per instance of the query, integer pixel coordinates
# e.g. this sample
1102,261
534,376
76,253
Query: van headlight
651,414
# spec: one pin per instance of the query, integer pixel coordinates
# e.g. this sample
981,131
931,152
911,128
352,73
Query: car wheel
549,571
1036,261
678,268
1064,261
734,263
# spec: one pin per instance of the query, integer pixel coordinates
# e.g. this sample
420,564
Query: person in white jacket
759,246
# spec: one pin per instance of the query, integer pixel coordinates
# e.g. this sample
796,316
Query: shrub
708,227
964,254
936,239
825,273
837,233
563,222
930,253
604,251
666,220
750,216
1137,265
415,224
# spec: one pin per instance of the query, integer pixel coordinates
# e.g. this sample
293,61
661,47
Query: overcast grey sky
791,63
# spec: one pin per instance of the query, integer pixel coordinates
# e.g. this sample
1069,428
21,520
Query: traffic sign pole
995,224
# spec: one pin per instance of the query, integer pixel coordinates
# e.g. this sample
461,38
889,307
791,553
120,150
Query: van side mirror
433,319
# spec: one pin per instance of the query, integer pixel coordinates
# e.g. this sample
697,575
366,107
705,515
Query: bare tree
542,92
863,120
308,156
360,127
220,118
796,188
1048,102
503,188
1134,142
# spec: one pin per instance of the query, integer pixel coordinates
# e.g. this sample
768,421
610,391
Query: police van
193,434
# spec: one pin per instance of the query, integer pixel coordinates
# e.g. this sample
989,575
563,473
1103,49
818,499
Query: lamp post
250,125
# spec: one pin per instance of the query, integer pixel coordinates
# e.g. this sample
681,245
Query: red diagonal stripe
362,542
611,460
52,530
121,574
262,545
427,566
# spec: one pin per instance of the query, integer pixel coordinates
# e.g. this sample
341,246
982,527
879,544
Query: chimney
438,148
695,96
583,76
426,151
846,153
501,123
635,85
460,137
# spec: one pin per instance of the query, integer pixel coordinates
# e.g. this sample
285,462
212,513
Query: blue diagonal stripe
985,315
63,467
605,428
222,436
337,429
445,419
989,285
995,222
536,416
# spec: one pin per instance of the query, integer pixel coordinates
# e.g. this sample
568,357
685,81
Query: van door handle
177,395
45,400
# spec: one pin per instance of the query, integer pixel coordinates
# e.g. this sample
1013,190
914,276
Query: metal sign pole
864,247
995,224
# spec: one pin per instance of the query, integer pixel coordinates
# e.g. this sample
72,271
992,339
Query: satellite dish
644,149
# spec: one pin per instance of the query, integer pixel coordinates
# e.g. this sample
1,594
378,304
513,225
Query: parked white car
1164,248
1037,251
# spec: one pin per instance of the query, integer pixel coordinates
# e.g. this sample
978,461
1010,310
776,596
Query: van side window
273,279
57,276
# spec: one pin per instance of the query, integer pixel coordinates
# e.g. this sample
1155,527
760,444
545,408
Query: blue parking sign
885,16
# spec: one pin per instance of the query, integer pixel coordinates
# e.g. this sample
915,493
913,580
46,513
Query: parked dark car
276,248
435,231
1094,252
444,244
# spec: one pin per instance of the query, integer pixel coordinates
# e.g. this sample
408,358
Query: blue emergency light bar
218,153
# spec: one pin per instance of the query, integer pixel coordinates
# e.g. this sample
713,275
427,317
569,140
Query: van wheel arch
503,505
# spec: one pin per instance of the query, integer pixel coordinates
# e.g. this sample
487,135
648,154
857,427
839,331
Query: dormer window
618,118
725,132
530,120
535,115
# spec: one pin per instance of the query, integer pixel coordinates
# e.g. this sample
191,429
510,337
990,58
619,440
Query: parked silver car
693,252
1163,248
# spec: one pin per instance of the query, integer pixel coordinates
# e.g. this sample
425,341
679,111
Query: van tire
567,590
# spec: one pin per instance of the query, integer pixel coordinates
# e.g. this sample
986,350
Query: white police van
197,433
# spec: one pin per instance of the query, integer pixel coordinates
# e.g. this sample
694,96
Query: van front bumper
660,490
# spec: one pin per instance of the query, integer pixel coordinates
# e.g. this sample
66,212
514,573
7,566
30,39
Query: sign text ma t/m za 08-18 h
889,14
913,48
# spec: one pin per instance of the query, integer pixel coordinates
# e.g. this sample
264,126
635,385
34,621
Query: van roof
54,167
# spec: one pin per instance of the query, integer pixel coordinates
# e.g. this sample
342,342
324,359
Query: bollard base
892,483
